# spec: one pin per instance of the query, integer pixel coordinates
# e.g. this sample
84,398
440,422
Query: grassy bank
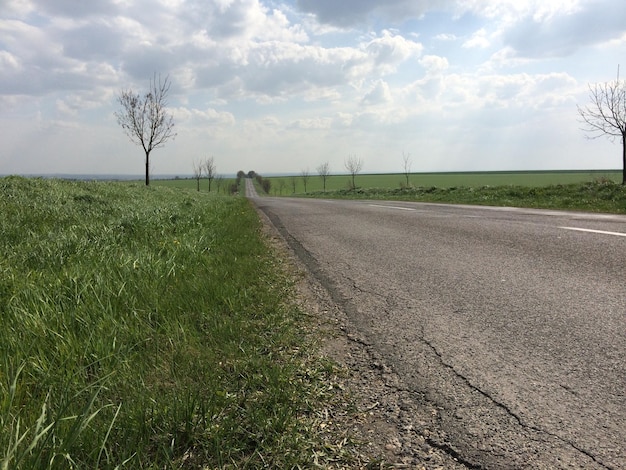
441,180
146,328
598,196
219,186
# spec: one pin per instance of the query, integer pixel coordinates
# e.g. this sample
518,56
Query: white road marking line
392,207
604,232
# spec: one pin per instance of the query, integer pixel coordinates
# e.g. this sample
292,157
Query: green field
221,187
442,180
592,191
148,327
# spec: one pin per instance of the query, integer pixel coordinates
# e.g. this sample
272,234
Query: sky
282,86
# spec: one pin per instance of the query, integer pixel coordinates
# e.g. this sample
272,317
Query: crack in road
446,447
313,266
347,305
505,408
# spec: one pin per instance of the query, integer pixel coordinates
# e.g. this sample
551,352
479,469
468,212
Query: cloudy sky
285,85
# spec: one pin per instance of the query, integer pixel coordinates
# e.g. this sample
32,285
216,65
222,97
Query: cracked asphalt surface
510,323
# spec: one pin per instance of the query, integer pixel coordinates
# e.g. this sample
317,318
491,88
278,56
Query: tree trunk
624,158
147,168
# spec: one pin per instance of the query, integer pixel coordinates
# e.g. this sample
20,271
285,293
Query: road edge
374,409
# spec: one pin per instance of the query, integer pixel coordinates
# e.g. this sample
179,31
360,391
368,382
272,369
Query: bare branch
304,174
210,170
354,166
324,171
197,173
606,114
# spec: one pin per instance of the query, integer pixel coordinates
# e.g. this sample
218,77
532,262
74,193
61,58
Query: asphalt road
511,321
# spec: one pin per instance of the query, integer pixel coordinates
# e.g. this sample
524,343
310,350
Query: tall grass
144,328
222,186
596,196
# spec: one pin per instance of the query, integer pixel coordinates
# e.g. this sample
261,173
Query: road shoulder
384,423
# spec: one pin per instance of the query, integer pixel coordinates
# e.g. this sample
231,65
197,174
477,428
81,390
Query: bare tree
406,159
354,166
210,170
606,115
197,172
304,174
219,181
294,183
145,119
324,171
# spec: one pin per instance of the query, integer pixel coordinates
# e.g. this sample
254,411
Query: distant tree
354,166
219,181
197,172
304,174
294,183
265,183
145,119
210,170
281,185
241,174
324,171
606,115
251,174
406,159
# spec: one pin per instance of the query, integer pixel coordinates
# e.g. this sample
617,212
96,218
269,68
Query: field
592,191
147,328
221,187
441,180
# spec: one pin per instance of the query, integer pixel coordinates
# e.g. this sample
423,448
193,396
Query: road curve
511,322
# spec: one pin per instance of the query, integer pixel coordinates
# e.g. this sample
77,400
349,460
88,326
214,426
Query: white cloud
478,39
434,65
537,28
18,8
72,9
261,77
446,37
389,50
9,62
379,94
314,123
196,117
348,13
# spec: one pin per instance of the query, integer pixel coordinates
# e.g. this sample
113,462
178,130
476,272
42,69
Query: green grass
592,191
221,187
599,196
443,180
147,328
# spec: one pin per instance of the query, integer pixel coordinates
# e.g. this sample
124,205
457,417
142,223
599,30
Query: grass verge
596,196
148,328
295,184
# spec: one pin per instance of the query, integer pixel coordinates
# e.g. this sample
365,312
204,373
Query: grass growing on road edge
596,196
147,328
